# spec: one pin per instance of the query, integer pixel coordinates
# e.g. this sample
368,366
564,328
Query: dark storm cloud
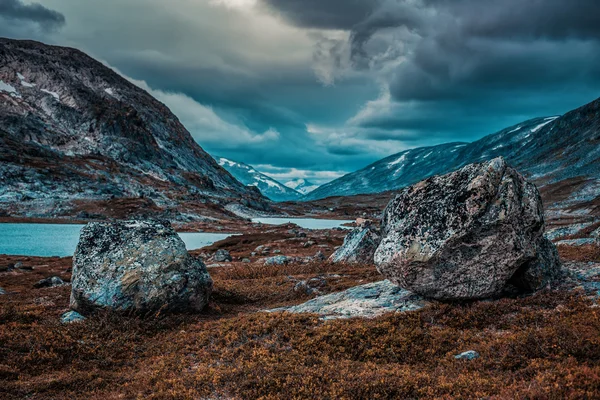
333,14
35,12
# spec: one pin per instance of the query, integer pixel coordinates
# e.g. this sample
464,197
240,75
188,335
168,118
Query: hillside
76,138
548,150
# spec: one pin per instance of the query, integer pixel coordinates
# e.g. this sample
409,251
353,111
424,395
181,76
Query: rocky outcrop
222,255
359,246
370,301
466,234
139,266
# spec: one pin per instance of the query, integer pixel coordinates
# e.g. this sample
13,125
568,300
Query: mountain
76,137
552,151
302,185
251,177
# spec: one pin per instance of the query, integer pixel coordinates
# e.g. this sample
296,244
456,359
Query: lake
47,240
306,223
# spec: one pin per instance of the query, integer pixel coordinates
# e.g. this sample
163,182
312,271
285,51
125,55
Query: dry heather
545,346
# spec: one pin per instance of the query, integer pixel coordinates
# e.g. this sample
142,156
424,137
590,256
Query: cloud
47,19
204,124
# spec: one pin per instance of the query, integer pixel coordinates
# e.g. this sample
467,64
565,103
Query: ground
541,346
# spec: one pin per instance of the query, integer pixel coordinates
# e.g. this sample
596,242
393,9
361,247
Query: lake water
306,223
46,240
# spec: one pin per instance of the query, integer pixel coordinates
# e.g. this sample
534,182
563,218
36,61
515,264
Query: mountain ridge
546,149
113,139
250,176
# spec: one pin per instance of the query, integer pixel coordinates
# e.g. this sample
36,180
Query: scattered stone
49,282
222,255
277,260
18,265
359,246
262,250
319,256
310,286
308,244
562,231
596,233
467,355
253,254
70,317
246,260
139,266
301,234
464,235
369,301
2,291
277,251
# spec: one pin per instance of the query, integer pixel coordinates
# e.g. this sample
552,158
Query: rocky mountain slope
302,185
76,137
251,177
551,151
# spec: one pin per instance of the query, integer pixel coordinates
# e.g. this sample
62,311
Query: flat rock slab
367,301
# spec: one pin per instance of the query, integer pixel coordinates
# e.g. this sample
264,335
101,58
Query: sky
318,88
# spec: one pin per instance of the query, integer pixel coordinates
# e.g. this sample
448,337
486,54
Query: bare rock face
139,266
466,234
359,246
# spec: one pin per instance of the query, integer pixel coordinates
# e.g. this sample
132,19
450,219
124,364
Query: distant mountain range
76,138
302,185
549,150
249,176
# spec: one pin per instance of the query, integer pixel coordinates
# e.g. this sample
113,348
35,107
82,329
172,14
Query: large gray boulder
139,266
359,246
466,234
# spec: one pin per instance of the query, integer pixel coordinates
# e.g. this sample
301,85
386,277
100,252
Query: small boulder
49,282
222,255
136,266
277,260
319,256
359,246
467,355
70,317
2,291
466,234
246,260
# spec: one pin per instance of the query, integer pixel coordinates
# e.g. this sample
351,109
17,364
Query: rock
596,234
246,260
277,260
310,286
136,266
2,291
222,255
277,251
308,244
467,355
370,300
301,234
359,246
319,256
464,235
18,265
537,273
70,317
49,282
262,250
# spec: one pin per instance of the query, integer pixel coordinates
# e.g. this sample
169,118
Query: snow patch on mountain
301,185
249,176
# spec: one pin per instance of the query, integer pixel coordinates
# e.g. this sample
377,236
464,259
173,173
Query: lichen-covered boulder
466,234
136,266
359,246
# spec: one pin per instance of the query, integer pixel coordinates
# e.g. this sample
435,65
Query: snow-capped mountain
548,150
249,176
75,135
301,185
